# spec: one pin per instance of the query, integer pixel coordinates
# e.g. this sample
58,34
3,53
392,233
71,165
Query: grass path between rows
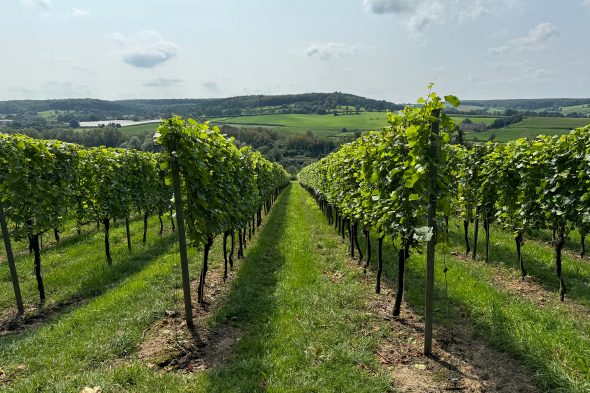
298,305
539,260
302,313
545,335
76,268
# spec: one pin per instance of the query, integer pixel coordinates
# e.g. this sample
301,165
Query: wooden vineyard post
10,258
431,223
186,288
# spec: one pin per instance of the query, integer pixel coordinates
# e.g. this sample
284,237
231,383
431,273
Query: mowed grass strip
302,312
553,344
538,257
77,347
76,268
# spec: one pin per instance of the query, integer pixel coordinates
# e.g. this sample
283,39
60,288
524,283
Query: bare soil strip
530,289
170,346
461,362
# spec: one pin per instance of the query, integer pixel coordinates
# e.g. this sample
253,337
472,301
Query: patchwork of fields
347,125
325,125
530,127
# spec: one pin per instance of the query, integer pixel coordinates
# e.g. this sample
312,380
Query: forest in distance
292,129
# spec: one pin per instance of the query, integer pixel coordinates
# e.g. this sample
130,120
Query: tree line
25,112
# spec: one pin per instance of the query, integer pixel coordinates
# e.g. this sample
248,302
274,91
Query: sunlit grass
554,345
76,267
301,332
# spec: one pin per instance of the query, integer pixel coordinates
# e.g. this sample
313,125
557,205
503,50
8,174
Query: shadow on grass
503,255
452,310
413,288
21,253
447,314
249,306
572,240
101,280
49,245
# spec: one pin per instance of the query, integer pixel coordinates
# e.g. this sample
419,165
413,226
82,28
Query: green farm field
509,133
583,109
551,122
332,126
290,124
487,120
324,125
530,128
140,129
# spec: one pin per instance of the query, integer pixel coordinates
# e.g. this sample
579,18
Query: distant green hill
528,104
88,109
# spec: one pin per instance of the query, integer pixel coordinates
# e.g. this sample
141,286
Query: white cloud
498,50
419,14
79,12
539,74
82,67
119,38
537,37
59,59
146,49
210,85
66,61
37,3
391,6
162,82
586,3
509,64
55,89
66,88
503,33
576,63
331,50
535,40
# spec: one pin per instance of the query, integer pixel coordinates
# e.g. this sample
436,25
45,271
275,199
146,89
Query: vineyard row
386,181
45,183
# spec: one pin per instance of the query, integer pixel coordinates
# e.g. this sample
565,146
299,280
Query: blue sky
385,49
